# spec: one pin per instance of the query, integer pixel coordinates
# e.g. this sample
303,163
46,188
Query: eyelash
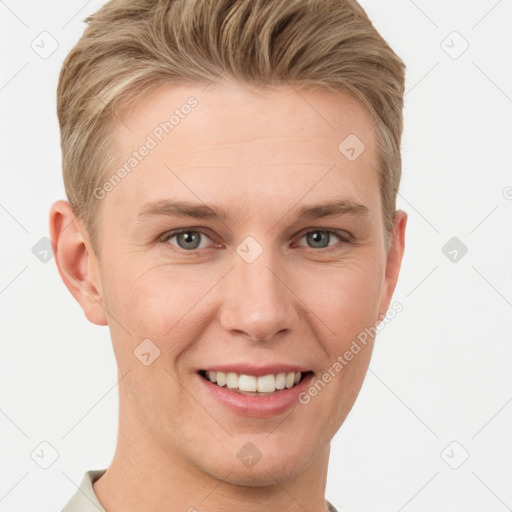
345,238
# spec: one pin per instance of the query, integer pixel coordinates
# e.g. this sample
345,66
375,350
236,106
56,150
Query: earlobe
76,261
393,262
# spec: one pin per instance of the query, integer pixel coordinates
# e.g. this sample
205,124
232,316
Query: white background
441,371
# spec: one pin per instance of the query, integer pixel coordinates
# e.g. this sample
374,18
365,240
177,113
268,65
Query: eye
186,239
189,240
320,238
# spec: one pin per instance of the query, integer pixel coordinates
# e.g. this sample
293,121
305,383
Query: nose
258,300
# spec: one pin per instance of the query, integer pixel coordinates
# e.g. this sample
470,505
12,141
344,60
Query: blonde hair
132,47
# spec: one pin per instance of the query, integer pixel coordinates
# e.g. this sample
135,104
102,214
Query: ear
76,261
393,262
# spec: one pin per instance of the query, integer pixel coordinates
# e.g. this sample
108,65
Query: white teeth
232,380
266,384
280,380
250,383
221,378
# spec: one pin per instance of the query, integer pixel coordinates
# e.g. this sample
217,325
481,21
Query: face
276,264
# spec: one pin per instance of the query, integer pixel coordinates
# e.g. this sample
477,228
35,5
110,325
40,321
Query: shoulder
85,499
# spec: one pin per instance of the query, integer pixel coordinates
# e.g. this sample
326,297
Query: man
231,169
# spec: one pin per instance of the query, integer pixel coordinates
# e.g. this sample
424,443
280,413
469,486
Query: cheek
348,305
350,308
163,303
345,296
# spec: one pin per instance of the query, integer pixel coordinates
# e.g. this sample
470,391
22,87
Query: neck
148,473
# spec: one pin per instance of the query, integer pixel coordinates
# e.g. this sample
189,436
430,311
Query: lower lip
258,406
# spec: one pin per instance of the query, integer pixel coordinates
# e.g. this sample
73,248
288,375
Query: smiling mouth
254,386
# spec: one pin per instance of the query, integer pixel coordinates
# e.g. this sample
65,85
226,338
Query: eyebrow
203,211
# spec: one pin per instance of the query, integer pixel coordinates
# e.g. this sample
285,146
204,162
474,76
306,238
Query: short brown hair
131,47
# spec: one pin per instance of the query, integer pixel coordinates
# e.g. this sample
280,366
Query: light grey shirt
85,499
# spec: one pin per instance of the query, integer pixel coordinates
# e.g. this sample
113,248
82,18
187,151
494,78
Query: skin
260,155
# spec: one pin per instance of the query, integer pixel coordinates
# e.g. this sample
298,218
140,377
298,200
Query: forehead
203,142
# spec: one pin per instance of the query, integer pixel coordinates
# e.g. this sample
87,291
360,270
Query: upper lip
257,371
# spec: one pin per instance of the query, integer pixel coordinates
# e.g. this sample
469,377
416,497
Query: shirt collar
85,499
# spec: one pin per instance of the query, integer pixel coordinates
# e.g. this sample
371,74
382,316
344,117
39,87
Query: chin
261,476
273,466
